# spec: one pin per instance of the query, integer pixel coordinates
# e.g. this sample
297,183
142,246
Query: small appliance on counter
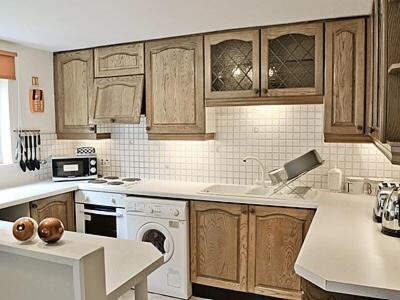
391,215
385,189
354,185
78,167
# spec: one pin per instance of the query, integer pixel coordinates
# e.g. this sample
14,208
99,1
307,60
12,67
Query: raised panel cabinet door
275,238
120,60
292,60
117,100
73,91
61,207
175,86
219,244
232,64
312,292
345,77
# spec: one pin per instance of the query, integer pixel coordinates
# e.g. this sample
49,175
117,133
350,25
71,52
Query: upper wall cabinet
117,100
73,78
232,63
383,110
292,60
345,79
175,89
120,60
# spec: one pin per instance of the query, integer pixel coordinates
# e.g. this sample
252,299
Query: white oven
100,213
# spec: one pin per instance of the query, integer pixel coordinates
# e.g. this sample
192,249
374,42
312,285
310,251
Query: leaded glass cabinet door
232,65
291,60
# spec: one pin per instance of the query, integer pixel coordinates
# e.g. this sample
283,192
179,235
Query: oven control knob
93,170
149,210
93,162
175,212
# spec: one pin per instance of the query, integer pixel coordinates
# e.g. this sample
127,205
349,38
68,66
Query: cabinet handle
371,129
265,91
360,128
112,120
244,210
252,210
148,128
256,91
34,206
92,128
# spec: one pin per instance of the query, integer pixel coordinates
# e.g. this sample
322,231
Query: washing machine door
159,236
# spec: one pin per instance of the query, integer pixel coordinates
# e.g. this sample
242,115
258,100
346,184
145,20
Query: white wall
30,62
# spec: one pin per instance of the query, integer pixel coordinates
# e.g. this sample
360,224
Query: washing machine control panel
159,210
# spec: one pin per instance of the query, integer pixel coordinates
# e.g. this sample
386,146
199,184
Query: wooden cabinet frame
193,130
345,81
74,131
126,100
214,39
234,211
119,60
265,286
313,29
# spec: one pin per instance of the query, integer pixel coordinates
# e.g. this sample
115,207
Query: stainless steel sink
236,190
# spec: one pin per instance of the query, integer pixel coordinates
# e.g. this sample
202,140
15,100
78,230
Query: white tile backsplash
275,134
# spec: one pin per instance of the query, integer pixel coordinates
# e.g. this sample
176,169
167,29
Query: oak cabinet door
292,60
175,86
61,207
275,238
345,80
117,99
120,60
73,91
219,244
232,63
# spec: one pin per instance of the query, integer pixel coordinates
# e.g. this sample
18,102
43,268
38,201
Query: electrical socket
105,162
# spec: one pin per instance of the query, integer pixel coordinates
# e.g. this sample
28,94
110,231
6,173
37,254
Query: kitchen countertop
343,252
122,267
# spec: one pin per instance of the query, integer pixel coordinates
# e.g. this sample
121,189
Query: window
5,133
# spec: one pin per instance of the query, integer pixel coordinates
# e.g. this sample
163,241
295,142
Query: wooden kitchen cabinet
175,90
219,235
345,79
61,207
232,64
383,110
119,60
117,100
73,79
312,292
292,60
276,235
248,248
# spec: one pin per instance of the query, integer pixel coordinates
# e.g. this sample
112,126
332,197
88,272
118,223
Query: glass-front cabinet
232,65
292,60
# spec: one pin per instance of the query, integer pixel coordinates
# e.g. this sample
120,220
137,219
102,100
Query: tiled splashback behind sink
276,134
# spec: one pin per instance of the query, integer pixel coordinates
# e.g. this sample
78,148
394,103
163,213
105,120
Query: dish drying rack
298,190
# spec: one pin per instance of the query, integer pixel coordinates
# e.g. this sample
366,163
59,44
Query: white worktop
126,261
344,250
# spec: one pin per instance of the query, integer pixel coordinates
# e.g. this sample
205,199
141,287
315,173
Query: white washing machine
164,223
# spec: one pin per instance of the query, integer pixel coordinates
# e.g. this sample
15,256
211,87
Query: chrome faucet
261,182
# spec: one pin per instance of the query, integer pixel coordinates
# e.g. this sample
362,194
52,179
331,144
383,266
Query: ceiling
56,25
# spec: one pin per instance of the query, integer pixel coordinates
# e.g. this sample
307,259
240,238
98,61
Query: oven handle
102,213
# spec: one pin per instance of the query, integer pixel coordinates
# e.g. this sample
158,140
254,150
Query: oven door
101,220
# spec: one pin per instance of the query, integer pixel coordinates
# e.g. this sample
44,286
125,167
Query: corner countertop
344,250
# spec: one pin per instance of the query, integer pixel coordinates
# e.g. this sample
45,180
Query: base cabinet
61,207
248,248
219,245
312,292
275,238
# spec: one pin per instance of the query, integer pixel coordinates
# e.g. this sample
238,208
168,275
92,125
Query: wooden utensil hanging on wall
36,96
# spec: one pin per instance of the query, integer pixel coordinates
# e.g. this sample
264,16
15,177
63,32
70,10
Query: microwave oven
74,168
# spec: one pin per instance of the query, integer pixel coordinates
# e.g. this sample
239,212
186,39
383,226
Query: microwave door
70,168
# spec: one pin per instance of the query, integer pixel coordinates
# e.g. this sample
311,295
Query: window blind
7,64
